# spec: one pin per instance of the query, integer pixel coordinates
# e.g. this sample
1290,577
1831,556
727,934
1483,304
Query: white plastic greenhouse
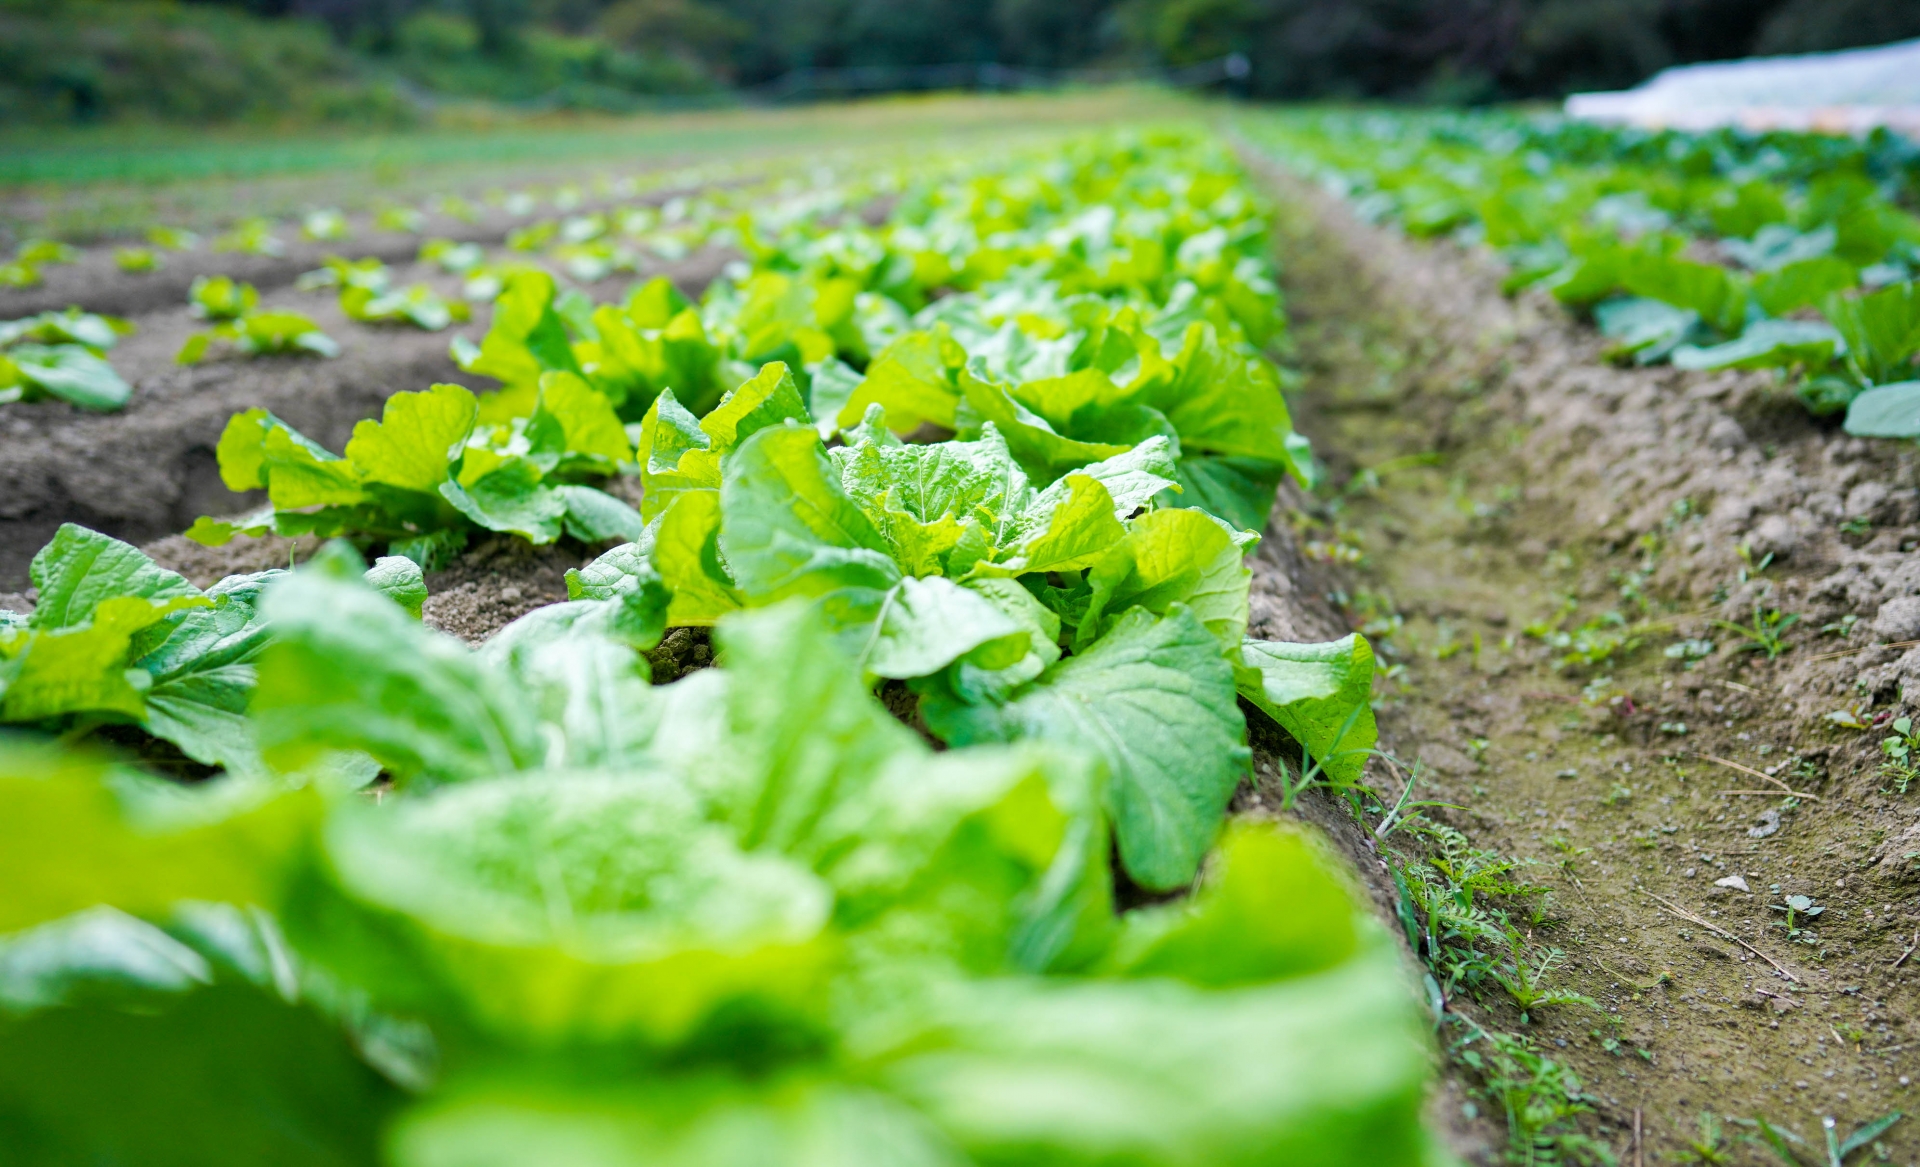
1843,92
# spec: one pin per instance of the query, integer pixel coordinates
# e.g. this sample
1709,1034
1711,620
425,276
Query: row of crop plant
1001,459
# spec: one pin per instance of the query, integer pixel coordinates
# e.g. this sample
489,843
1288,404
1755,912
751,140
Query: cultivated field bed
1544,917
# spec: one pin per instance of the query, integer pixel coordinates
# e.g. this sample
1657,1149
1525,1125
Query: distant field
91,182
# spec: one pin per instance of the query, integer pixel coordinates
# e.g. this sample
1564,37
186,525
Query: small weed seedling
1766,633
1902,750
1526,982
1712,1147
1541,1098
1796,908
1784,1143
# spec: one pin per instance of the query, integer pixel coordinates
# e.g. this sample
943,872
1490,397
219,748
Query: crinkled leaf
1173,556
416,439
1153,698
1319,693
510,497
79,569
550,907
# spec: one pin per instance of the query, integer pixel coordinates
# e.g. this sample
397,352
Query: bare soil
1493,472
97,283
150,468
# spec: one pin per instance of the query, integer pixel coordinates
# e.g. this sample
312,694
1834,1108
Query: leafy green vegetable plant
62,355
221,298
1000,457
115,638
744,918
428,473
367,294
1716,262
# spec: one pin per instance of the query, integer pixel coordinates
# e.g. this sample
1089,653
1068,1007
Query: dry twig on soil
1762,775
1681,912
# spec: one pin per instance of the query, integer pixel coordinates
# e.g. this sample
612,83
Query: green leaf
789,529
1173,556
1322,1070
571,419
594,516
510,497
203,674
416,440
1767,344
1320,694
686,550
75,833
1239,490
1069,526
923,625
259,451
71,373
545,908
769,399
1718,295
576,667
624,569
1797,285
1222,401
349,669
913,380
1272,905
807,736
1886,411
527,337
1041,450
1868,1132
1153,699
830,386
93,953
993,859
710,1120
401,580
676,456
82,668
917,495
80,569
201,1074
1882,331
1646,329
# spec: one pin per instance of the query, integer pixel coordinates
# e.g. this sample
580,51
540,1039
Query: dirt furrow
1611,604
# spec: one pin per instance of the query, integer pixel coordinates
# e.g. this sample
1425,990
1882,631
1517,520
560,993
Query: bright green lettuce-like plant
428,474
746,918
62,355
628,353
238,321
943,565
116,639
367,294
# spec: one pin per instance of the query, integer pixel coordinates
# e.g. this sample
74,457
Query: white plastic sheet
1844,92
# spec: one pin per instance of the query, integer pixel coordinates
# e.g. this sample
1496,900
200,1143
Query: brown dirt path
1495,472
